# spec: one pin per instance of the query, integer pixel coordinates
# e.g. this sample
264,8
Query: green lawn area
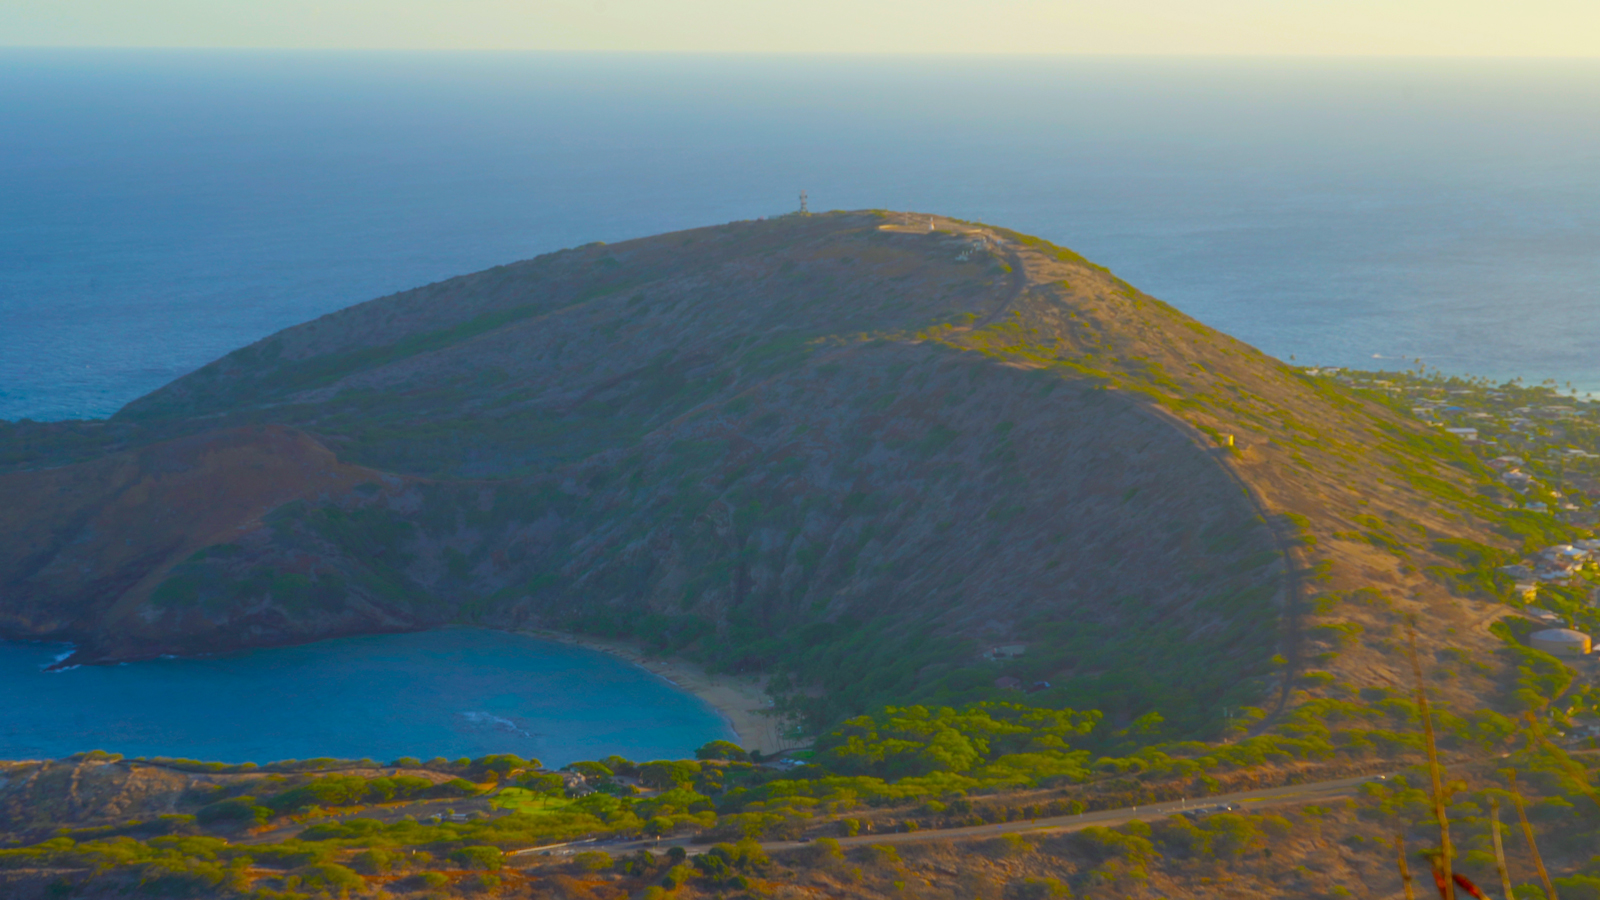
525,801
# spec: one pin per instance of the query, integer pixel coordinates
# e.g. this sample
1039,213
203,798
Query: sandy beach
742,700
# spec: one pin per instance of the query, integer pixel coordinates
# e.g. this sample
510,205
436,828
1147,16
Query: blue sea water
159,208
452,692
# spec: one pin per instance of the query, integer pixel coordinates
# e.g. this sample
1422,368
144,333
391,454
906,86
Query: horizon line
860,54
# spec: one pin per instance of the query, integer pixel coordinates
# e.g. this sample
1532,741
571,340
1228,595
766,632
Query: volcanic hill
852,450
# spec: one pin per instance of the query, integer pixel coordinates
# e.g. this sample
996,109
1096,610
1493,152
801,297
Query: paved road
1248,801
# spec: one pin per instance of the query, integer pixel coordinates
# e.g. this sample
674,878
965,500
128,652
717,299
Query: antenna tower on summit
803,210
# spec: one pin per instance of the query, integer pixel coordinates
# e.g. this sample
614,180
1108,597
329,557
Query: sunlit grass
528,802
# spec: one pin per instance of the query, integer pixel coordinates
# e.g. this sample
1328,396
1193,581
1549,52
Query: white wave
63,656
498,723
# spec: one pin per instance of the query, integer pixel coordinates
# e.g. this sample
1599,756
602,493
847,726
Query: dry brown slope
87,544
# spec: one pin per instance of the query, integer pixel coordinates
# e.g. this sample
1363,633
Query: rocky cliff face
851,449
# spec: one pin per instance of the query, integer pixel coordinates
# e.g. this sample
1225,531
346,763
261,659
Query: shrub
1128,843
1230,834
620,765
592,860
826,850
1038,889
721,750
375,862
330,877
1015,845
503,764
292,853
543,783
676,876
640,863
883,855
590,769
668,773
455,787
329,790
237,809
723,862
485,857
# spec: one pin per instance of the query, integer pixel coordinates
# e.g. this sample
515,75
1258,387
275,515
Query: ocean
451,692
160,208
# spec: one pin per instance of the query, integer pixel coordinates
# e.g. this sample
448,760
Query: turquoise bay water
452,692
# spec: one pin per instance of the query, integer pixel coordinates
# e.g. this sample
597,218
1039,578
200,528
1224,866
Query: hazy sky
1384,27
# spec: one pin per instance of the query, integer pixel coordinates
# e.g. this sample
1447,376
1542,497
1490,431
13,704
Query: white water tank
1560,641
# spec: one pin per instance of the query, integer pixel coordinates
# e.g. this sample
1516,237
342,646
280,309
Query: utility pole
1499,851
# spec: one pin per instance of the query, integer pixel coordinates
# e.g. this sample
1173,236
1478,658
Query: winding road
1245,801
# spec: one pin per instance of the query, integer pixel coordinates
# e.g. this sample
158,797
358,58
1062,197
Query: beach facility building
1560,642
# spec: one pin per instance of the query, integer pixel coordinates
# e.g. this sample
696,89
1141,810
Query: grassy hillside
849,450
98,826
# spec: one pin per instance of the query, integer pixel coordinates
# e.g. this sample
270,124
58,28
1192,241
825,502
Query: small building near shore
1560,642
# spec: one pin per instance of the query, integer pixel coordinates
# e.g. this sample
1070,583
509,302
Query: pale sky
1231,27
